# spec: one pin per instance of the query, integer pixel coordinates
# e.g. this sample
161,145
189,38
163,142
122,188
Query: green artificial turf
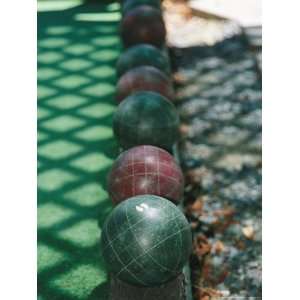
78,45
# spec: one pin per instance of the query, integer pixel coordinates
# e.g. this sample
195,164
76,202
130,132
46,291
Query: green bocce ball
146,241
146,118
131,4
143,55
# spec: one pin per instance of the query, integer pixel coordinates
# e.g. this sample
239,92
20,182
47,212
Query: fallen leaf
223,276
206,271
179,78
202,245
219,247
197,206
195,176
194,225
240,245
211,292
248,232
184,129
226,212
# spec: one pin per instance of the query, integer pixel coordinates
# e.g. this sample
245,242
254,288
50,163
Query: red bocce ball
145,170
143,24
144,78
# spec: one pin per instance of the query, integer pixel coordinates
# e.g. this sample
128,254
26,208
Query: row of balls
146,240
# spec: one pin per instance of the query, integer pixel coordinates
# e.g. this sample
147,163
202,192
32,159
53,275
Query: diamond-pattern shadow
77,51
219,101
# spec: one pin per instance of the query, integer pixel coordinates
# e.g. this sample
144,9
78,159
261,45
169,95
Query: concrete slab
247,13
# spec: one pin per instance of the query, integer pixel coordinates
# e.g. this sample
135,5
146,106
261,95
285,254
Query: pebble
221,104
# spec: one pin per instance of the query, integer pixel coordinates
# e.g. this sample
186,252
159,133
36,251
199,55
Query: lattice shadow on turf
76,78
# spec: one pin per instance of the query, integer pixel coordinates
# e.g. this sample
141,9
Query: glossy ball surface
145,170
142,55
144,24
131,4
146,241
144,78
146,118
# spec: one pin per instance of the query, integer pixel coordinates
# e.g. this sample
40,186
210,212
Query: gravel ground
219,101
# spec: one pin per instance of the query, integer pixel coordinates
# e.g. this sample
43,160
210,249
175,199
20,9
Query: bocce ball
146,118
146,241
145,170
144,78
131,4
143,24
142,55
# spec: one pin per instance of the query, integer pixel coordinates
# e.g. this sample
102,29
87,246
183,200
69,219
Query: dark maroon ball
144,78
145,170
143,24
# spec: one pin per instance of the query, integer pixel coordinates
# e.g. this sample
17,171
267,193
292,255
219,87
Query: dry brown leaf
179,78
206,271
202,246
240,245
203,249
184,129
226,212
248,232
222,225
196,207
219,247
195,176
194,225
223,276
211,292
